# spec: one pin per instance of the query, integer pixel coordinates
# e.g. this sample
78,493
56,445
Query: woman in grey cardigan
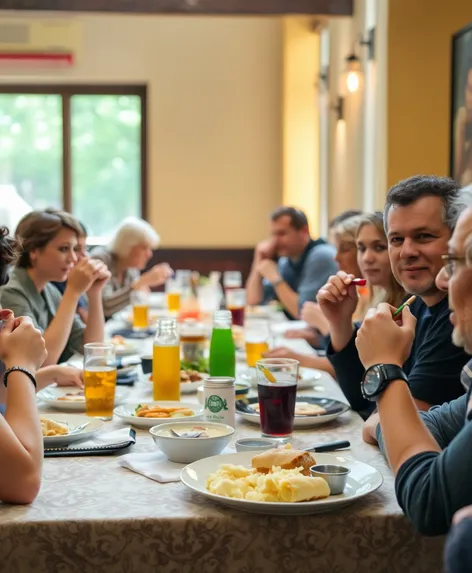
47,240
127,254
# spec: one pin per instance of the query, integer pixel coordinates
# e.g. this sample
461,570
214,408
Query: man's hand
268,269
265,250
381,340
369,429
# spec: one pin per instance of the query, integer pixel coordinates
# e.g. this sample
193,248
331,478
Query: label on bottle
220,399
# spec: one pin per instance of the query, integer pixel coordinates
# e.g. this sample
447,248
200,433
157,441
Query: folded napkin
155,465
110,438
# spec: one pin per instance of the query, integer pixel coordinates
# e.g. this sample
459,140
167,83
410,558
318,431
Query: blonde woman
374,262
127,254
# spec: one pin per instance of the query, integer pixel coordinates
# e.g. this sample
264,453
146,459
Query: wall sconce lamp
339,108
353,71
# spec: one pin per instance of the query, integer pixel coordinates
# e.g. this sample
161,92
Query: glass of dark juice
236,303
277,391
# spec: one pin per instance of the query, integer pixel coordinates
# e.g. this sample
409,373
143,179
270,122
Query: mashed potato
276,486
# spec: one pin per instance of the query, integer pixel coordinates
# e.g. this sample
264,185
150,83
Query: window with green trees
81,148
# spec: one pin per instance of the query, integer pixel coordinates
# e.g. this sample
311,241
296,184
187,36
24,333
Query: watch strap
19,369
278,282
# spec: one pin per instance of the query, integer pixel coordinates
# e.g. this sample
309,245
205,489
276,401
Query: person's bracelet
19,369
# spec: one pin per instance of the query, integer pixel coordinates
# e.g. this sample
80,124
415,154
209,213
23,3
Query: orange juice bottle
166,361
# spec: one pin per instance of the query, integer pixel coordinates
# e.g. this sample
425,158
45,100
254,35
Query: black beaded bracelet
19,369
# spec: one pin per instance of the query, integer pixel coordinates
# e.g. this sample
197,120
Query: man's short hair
335,221
410,190
298,218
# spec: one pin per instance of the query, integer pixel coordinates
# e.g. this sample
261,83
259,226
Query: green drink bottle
222,351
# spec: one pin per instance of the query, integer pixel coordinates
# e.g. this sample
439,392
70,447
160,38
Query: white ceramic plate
362,480
126,413
51,395
72,421
333,408
308,376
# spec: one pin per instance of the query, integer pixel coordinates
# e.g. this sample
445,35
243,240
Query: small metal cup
335,476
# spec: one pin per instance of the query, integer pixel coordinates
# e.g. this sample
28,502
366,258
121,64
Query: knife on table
330,446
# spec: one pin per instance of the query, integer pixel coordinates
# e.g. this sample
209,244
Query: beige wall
301,181
419,74
215,120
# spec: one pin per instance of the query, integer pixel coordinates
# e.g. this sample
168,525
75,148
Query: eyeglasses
450,263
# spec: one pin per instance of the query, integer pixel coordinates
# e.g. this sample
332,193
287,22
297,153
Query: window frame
67,91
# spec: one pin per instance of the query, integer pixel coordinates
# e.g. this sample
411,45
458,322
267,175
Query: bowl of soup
187,442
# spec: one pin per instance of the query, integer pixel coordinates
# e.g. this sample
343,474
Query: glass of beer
99,379
256,337
173,290
140,303
277,380
236,303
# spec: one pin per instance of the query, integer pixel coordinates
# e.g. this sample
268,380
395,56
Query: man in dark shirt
419,216
303,265
430,453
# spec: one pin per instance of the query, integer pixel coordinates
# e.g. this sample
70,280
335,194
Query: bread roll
287,459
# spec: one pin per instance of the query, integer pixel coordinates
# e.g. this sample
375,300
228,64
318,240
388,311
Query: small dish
185,450
254,444
335,476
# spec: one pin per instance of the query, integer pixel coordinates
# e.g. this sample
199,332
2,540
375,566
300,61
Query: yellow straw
267,373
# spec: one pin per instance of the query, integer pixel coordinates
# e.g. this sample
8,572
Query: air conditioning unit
40,42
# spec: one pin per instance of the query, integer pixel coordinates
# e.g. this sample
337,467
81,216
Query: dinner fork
79,428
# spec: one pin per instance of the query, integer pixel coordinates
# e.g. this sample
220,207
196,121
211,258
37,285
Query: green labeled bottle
222,351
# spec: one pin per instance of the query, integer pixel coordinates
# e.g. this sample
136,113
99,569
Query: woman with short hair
47,241
127,254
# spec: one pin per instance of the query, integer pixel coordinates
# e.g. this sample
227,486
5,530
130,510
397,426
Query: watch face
372,381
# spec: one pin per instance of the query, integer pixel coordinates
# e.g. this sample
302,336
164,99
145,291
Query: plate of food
60,430
278,481
71,398
306,376
123,347
147,415
309,410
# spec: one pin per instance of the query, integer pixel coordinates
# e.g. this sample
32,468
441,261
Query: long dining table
93,516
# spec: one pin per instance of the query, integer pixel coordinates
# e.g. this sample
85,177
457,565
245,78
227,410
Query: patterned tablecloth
92,516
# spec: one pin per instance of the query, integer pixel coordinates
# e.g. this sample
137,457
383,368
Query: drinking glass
256,335
236,303
232,279
140,303
173,290
99,379
277,390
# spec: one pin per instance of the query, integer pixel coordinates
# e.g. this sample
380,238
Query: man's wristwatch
277,282
378,377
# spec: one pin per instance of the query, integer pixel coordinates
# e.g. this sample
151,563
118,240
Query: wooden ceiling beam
196,7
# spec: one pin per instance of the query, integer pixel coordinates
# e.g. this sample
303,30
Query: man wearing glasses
429,452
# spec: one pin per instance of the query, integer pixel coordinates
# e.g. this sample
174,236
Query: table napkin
109,438
156,466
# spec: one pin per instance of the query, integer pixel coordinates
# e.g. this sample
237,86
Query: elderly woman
127,254
47,253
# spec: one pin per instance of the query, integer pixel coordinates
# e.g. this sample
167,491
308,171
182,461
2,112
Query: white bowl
188,450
